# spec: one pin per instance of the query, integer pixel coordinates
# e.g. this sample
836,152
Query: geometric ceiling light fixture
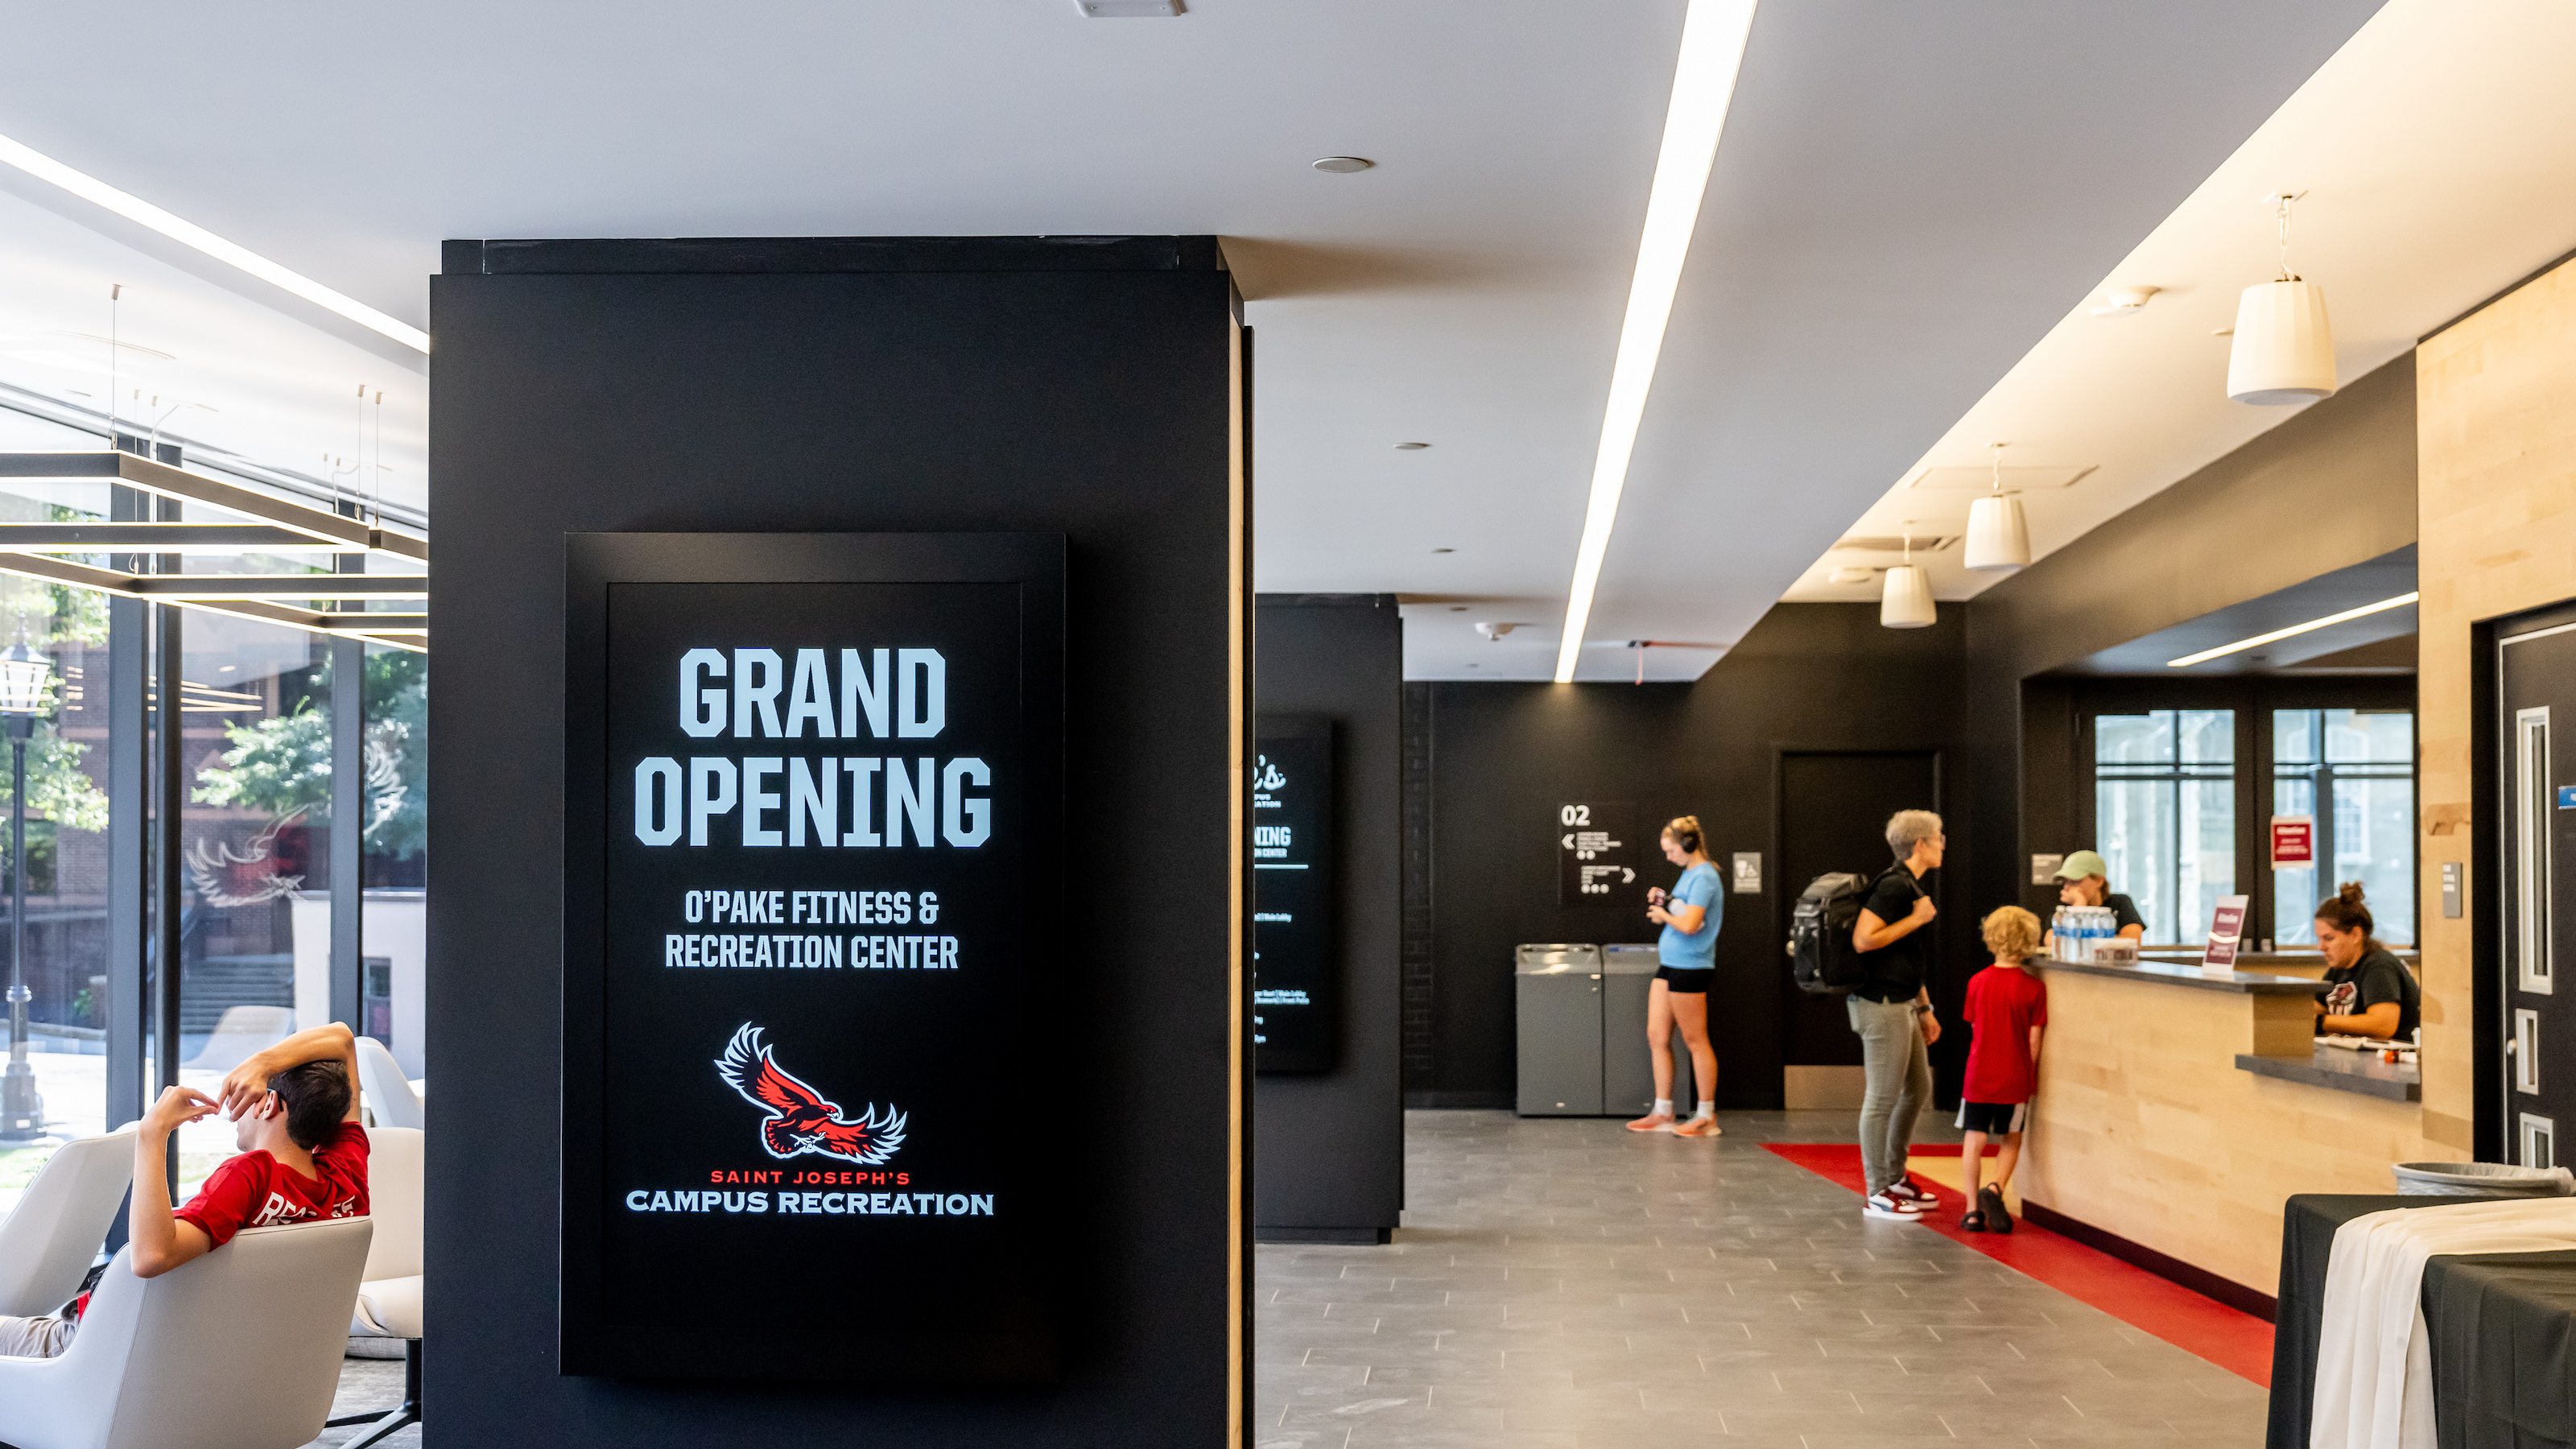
2284,348
298,596
1907,600
1714,33
1998,536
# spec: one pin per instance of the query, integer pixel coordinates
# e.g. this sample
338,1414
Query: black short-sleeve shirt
2124,912
1896,971
2375,978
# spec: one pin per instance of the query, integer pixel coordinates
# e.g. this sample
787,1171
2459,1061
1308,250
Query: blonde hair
2011,933
1685,831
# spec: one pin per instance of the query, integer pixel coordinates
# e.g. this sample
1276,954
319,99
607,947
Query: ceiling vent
1893,544
2016,480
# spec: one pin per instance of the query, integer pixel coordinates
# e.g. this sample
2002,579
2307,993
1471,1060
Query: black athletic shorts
1995,1119
1684,979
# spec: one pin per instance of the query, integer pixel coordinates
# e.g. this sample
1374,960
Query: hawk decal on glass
800,1121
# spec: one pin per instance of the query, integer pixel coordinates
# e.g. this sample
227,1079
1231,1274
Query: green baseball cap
2083,863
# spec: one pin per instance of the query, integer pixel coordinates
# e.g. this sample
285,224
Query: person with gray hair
1891,1012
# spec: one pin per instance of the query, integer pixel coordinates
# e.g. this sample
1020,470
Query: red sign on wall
2294,840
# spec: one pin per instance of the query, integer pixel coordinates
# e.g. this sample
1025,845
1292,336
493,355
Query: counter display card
813,823
1296,997
1597,856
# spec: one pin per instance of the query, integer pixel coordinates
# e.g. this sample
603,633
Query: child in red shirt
2007,1009
303,1155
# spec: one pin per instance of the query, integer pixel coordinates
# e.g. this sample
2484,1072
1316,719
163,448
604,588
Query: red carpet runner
2237,1342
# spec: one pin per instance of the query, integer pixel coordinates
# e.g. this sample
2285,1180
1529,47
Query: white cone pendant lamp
1907,602
1998,535
2284,350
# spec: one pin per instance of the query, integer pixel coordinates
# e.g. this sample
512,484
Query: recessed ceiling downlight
1344,165
1411,447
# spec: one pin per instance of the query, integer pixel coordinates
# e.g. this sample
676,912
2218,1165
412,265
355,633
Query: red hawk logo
800,1121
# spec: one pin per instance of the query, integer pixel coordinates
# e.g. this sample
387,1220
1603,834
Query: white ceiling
2437,152
1907,200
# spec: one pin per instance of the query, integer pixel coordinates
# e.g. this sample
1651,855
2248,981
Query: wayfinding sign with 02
813,800
1596,855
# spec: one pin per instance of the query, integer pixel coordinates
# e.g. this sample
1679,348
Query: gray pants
1897,1070
36,1337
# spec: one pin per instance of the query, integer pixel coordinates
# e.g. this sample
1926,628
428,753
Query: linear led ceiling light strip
136,209
1712,51
2259,640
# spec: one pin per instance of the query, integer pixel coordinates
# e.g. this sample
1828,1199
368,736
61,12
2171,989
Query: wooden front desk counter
2145,1128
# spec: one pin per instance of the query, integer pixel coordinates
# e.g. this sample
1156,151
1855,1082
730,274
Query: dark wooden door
1833,817
2536,677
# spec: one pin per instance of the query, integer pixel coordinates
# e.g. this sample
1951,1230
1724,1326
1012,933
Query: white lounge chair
162,1362
389,1293
53,1234
240,1031
382,1088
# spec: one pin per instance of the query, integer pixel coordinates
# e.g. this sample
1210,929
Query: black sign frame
1018,1347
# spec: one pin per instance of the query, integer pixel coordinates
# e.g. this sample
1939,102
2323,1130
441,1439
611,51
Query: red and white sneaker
1906,1189
1894,1209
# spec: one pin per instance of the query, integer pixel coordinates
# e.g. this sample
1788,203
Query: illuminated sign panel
813,835
1297,968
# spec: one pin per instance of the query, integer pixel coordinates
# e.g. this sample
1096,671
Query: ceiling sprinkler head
1495,632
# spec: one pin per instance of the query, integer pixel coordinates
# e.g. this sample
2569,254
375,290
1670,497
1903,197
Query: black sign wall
1597,855
1297,967
813,862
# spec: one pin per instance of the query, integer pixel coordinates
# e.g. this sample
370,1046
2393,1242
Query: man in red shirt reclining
303,1156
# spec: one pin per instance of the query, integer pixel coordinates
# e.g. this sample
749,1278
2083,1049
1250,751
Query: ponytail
2346,911
1685,832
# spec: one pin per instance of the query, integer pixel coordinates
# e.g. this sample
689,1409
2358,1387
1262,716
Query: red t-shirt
2004,1003
255,1190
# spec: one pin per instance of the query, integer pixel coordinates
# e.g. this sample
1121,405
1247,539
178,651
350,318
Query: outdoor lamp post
24,674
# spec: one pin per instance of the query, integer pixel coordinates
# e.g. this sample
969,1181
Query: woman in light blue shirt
1679,994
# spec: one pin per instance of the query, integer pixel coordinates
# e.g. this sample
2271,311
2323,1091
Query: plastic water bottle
2061,928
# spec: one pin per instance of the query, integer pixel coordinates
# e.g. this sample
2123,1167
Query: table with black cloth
2503,1331
2502,1328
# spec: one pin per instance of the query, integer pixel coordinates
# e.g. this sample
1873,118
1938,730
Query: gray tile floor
1566,1284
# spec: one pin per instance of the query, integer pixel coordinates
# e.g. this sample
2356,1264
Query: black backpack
1821,958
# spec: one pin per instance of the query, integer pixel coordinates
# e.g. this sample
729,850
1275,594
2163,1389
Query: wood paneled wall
2496,461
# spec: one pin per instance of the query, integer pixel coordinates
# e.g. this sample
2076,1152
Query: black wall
867,385
1504,756
1329,1148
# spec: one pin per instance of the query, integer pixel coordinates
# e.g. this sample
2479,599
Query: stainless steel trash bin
1558,993
1627,1070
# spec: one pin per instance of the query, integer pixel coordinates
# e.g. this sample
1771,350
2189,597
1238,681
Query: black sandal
1972,1221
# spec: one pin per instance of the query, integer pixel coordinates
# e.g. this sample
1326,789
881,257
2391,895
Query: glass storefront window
2353,772
2165,814
66,862
255,920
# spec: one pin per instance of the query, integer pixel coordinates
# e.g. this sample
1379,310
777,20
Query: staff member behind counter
2369,992
2084,879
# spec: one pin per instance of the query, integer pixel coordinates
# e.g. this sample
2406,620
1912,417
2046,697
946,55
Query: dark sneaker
1990,1203
1881,1205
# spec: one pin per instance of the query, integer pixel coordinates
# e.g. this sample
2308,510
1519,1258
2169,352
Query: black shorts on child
1992,1118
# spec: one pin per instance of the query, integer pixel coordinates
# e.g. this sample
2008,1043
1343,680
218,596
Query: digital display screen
821,888
1296,1005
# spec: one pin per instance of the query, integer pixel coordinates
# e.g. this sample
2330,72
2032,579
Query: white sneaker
1880,1205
